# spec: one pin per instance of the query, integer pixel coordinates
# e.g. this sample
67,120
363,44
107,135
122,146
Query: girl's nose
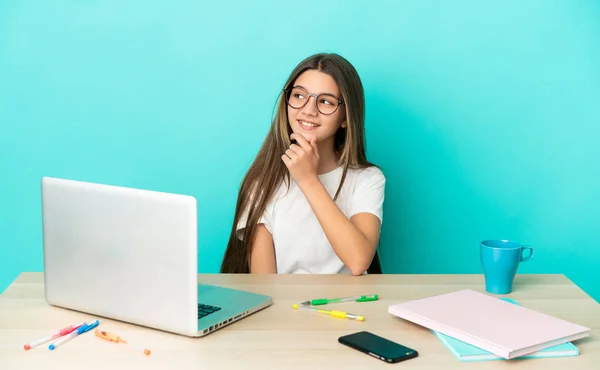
310,108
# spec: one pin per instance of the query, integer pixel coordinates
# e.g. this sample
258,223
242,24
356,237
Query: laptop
132,255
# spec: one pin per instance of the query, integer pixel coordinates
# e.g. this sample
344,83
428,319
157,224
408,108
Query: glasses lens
297,97
327,104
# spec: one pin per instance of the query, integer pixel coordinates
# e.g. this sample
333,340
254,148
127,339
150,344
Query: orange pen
115,338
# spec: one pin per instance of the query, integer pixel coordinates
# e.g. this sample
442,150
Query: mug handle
531,253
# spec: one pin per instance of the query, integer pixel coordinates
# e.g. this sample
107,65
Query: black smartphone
378,347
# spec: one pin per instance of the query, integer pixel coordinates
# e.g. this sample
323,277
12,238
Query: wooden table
280,337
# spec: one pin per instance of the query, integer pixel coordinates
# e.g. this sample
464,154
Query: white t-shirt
300,243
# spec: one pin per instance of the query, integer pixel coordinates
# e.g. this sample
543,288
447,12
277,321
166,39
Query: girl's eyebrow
326,93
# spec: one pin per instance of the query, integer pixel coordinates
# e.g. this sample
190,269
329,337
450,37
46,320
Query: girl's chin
307,135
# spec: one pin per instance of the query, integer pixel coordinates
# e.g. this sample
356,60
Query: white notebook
502,328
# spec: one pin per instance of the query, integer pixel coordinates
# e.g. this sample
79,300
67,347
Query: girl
311,202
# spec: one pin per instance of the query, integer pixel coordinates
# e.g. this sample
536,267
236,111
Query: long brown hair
268,171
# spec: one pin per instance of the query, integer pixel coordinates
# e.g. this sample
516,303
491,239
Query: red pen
60,333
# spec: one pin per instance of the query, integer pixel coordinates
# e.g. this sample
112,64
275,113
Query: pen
360,298
117,339
60,333
82,329
334,313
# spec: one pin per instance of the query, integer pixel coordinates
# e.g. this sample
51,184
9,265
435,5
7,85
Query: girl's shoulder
367,174
357,180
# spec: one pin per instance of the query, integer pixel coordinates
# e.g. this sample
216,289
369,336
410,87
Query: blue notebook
467,352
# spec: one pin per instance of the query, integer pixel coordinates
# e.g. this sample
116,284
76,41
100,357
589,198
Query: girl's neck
328,159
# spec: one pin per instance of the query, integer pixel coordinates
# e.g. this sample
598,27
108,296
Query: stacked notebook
488,326
466,352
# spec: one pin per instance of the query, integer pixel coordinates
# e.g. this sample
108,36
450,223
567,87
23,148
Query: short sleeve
265,219
369,193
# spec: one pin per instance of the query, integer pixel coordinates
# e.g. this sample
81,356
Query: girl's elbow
357,272
360,266
358,269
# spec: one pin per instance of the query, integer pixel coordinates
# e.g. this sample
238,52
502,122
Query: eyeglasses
297,97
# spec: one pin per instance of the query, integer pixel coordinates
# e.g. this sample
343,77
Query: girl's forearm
352,247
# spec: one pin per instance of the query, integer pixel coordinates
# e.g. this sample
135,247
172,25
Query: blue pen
82,329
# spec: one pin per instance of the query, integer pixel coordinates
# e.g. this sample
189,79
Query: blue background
483,115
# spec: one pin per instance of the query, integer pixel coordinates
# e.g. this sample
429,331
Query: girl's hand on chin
302,159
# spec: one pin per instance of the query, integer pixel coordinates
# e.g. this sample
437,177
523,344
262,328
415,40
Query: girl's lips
305,126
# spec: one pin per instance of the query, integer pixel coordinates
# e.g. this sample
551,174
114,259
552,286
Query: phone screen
378,347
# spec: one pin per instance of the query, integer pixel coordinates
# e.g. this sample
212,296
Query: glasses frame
288,91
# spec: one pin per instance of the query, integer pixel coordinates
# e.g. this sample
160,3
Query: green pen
359,298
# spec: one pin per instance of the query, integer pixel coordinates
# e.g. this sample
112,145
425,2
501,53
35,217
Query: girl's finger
297,149
290,153
302,142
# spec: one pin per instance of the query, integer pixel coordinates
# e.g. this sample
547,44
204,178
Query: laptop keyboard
205,310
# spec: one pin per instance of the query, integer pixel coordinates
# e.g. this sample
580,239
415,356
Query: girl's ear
344,124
